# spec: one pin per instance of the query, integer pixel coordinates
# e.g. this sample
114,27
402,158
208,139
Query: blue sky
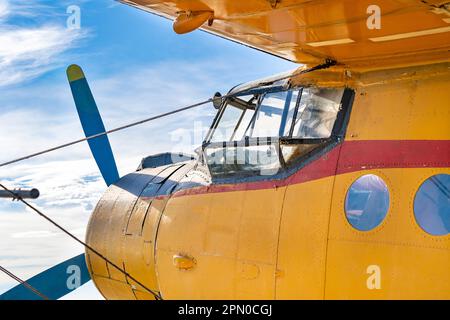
137,67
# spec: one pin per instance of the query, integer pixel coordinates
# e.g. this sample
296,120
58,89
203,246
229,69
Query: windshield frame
336,136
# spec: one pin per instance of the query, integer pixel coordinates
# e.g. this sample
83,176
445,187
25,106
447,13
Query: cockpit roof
266,81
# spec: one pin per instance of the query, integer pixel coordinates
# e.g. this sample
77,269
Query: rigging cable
105,133
327,64
156,295
26,284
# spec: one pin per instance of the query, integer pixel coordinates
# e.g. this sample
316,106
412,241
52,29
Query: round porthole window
367,202
432,205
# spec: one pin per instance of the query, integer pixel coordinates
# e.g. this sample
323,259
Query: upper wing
308,31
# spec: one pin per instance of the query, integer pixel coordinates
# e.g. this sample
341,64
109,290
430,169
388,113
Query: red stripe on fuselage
351,156
364,155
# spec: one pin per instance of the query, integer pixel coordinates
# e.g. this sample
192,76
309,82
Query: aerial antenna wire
156,295
105,133
26,284
328,63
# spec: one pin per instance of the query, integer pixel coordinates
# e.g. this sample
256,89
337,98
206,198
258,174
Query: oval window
432,205
367,202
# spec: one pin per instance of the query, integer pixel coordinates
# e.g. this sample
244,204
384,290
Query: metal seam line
156,295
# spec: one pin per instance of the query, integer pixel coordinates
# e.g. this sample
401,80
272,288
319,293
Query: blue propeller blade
53,283
92,124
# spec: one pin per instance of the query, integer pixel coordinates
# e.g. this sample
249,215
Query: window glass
294,116
288,113
367,202
255,160
317,112
293,152
243,125
432,205
235,119
268,117
227,124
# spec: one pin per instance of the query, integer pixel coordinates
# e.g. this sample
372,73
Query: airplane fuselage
299,233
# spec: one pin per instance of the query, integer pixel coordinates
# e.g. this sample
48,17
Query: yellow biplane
328,182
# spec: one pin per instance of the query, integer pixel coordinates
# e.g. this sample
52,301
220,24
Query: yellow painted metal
406,104
411,104
190,21
303,240
258,242
183,262
232,236
413,264
294,242
74,72
308,31
291,242
123,228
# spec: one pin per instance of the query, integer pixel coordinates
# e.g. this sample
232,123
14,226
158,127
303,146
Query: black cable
104,133
26,284
156,295
328,63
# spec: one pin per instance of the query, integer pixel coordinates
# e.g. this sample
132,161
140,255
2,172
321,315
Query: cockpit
268,130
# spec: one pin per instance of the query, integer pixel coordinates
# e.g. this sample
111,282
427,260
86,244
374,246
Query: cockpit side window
234,118
270,131
267,120
317,113
230,117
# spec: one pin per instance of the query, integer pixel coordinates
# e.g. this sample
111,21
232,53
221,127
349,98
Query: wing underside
309,31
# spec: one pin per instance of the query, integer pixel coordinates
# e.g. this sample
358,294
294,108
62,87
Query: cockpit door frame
337,135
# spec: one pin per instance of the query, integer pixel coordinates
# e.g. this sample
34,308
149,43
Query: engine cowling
123,228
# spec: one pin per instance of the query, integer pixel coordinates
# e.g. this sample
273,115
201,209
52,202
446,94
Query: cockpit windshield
280,126
300,113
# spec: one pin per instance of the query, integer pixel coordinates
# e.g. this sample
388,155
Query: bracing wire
26,284
101,256
104,133
327,64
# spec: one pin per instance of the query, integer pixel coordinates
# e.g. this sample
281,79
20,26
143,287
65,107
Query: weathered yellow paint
306,31
294,241
231,234
189,21
291,242
183,262
303,240
113,230
403,108
413,263
113,289
407,272
258,242
74,72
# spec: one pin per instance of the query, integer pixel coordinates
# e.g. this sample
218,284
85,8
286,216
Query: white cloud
4,9
123,97
68,179
28,52
69,191
34,234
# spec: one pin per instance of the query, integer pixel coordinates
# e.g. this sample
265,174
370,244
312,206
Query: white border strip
399,36
330,42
